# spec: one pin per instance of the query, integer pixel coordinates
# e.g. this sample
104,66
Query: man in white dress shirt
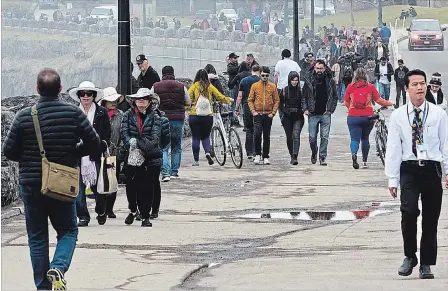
417,148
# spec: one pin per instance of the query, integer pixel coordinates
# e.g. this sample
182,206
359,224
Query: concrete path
205,238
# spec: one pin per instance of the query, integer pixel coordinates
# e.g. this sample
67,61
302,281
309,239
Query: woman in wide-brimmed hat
145,131
88,96
110,100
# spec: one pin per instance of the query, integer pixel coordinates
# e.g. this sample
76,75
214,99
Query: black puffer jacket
155,134
62,126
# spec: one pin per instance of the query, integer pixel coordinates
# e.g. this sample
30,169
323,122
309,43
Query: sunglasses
85,93
142,99
265,75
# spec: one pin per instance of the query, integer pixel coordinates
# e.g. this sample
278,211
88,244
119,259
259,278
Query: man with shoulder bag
43,138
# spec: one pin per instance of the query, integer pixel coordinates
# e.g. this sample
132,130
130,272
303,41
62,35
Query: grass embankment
366,18
16,4
369,18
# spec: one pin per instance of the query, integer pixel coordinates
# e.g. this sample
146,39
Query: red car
426,33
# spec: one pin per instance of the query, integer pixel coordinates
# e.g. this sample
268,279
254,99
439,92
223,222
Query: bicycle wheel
380,147
218,145
236,149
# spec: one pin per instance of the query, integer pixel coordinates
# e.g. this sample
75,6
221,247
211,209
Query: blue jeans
384,90
360,128
324,122
38,209
168,169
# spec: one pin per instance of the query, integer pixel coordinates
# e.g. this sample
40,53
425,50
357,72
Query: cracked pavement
200,242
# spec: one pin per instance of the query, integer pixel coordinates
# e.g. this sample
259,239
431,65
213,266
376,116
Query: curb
404,37
12,212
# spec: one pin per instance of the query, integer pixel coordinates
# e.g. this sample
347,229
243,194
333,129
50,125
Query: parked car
230,13
426,34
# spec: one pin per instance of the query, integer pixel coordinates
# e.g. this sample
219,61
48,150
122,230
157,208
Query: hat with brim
141,93
86,86
111,95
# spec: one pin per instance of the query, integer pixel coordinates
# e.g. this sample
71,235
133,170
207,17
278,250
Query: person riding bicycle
358,99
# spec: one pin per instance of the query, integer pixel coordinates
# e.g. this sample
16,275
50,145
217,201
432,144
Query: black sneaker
101,219
111,214
209,159
313,158
154,216
138,216
355,161
56,278
146,223
130,218
83,223
294,160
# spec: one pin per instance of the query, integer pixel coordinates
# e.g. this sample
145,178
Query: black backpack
348,72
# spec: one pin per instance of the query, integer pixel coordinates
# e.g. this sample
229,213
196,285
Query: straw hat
86,86
110,95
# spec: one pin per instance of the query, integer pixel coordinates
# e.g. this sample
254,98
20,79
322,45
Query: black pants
113,197
293,128
416,180
157,192
249,125
262,125
400,91
140,188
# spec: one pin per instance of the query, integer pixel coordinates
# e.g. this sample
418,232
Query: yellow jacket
212,92
263,98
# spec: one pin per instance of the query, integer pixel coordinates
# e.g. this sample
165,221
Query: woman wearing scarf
201,113
292,115
145,131
110,101
88,96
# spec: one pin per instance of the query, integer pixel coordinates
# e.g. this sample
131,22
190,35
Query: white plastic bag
107,179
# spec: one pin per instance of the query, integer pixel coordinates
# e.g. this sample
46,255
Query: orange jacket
263,98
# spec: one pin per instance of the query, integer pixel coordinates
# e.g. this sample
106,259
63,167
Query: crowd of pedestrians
144,132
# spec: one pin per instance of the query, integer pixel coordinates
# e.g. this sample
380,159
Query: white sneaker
266,161
257,160
166,179
364,165
174,176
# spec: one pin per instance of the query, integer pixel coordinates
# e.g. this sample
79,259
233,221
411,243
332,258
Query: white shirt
383,72
399,139
283,68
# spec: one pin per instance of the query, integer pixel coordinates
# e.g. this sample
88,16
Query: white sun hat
86,86
110,94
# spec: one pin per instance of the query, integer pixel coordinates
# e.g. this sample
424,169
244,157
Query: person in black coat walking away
399,74
62,127
243,72
88,97
148,76
292,115
145,131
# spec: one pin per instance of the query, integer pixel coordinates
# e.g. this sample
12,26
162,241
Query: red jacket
369,91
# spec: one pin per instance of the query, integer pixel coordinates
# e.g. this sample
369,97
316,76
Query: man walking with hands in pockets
417,148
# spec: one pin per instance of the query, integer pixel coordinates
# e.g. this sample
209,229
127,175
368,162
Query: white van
104,12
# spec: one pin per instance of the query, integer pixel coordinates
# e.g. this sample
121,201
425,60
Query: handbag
107,179
203,107
58,181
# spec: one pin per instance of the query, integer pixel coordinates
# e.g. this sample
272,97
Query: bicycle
224,138
380,134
